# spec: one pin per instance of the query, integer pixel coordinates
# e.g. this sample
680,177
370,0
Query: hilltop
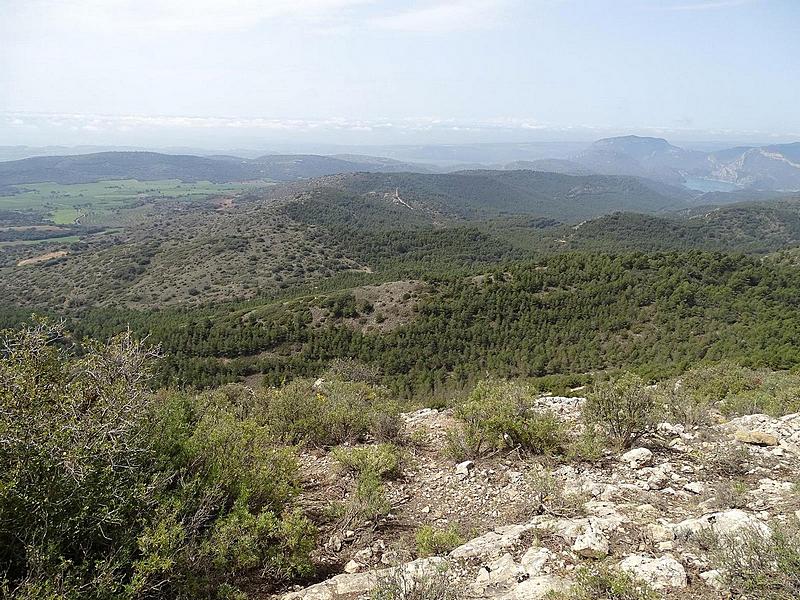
671,518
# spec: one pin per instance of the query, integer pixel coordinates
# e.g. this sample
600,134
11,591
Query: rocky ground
531,523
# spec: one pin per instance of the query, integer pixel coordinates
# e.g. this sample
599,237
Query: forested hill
476,194
752,227
565,316
152,166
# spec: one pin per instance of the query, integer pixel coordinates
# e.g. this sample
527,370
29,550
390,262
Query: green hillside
480,194
567,315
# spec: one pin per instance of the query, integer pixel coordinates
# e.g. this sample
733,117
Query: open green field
94,203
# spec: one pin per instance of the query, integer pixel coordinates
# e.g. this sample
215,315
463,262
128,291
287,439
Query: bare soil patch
42,258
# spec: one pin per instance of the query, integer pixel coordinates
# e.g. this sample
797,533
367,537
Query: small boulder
534,560
353,567
334,543
713,579
493,543
591,544
364,556
755,438
660,573
695,487
658,480
729,523
658,533
637,458
463,469
535,588
501,571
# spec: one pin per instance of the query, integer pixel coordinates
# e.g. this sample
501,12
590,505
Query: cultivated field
105,201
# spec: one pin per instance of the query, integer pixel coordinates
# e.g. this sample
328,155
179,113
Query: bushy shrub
607,583
401,585
385,461
626,408
350,369
589,445
332,413
736,390
759,566
678,405
110,491
366,503
779,395
729,494
736,461
74,459
715,382
433,541
500,415
548,495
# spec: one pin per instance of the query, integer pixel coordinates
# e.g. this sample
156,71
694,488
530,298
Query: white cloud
209,16
708,5
93,122
216,132
178,15
447,15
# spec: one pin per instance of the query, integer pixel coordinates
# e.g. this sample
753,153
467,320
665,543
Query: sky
227,73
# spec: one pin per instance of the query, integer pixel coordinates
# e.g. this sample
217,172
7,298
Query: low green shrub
400,585
736,390
625,407
678,405
366,503
350,369
734,462
759,566
332,413
606,583
240,457
729,494
548,495
590,445
500,415
385,461
714,382
433,541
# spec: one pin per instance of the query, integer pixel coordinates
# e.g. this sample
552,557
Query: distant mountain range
775,167
151,166
753,168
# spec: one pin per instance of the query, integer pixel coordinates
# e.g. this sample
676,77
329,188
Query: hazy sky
376,71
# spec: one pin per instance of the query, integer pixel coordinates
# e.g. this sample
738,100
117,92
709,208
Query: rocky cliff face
775,167
768,168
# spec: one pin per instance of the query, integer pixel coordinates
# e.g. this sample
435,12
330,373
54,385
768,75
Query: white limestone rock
660,573
591,543
637,458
